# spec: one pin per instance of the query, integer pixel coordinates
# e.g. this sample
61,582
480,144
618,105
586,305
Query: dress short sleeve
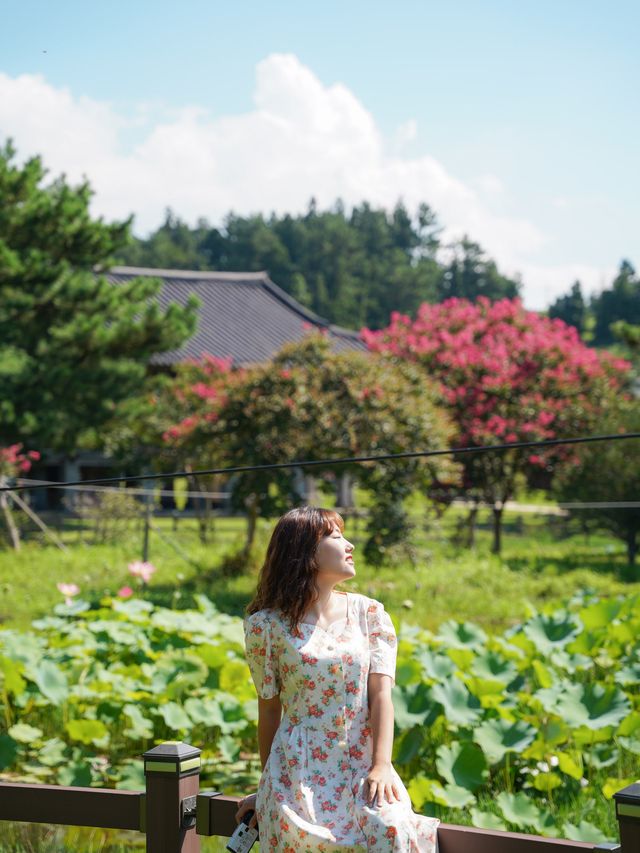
383,643
261,654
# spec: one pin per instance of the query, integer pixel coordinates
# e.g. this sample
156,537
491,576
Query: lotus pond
532,728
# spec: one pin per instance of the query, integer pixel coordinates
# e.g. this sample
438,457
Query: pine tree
72,344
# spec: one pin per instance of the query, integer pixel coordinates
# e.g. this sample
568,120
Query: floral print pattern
312,794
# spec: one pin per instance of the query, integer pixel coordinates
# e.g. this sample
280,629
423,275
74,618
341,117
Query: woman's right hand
246,804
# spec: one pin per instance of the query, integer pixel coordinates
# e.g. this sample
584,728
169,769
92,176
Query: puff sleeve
261,654
383,643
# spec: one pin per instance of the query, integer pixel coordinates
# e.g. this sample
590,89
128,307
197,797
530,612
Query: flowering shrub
507,375
13,461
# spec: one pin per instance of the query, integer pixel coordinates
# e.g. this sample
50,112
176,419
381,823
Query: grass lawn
442,581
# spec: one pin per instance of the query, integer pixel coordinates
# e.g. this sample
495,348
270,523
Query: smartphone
244,836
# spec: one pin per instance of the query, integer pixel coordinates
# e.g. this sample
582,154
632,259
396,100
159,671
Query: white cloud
489,184
301,139
406,133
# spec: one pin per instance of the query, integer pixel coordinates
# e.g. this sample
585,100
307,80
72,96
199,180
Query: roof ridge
177,273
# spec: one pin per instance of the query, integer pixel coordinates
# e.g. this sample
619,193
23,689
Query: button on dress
312,794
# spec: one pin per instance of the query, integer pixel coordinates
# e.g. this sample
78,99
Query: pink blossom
142,570
68,590
125,592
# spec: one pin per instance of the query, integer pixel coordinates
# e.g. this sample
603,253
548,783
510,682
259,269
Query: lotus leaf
493,667
518,809
631,744
486,820
497,737
13,681
409,744
460,707
74,609
630,725
175,717
24,733
419,789
132,776
140,726
602,755
549,632
629,674
414,705
52,752
435,666
543,674
547,781
600,614
461,635
585,831
592,705
462,764
8,751
177,672
50,679
570,764
135,609
408,671
88,731
612,785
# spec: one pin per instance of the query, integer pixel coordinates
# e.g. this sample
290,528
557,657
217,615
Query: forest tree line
355,268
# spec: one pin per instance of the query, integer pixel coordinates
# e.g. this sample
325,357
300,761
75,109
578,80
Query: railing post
172,774
628,815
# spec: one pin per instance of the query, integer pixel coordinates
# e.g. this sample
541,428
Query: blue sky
517,122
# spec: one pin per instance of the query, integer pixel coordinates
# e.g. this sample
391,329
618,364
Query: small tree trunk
632,548
11,525
497,529
252,520
471,526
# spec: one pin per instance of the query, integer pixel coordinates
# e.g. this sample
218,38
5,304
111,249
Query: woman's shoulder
363,602
259,617
368,605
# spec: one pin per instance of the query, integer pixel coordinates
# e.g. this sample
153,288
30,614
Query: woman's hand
382,783
246,804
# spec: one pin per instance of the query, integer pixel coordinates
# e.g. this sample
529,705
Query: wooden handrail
174,813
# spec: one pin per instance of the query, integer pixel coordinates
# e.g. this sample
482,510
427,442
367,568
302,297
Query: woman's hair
287,578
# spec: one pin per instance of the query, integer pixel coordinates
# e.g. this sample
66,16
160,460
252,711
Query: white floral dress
312,794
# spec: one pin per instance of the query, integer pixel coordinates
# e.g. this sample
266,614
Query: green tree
609,472
470,274
572,308
72,345
620,302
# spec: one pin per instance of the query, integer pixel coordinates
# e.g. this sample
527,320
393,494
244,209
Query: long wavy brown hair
286,581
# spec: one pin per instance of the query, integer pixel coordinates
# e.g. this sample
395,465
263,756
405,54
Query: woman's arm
381,717
269,715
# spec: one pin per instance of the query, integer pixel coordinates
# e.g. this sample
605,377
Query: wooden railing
174,813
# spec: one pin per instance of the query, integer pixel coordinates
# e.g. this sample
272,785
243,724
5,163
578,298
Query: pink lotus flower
125,592
141,570
68,590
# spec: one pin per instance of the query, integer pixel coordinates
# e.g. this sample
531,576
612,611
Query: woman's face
334,556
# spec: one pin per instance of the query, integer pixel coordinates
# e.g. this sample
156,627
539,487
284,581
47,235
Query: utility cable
328,462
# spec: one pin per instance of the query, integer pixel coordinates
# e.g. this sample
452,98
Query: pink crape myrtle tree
506,375
13,462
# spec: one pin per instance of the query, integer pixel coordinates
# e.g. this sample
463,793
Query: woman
327,659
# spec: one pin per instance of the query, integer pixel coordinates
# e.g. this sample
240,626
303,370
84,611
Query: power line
129,491
511,506
327,462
